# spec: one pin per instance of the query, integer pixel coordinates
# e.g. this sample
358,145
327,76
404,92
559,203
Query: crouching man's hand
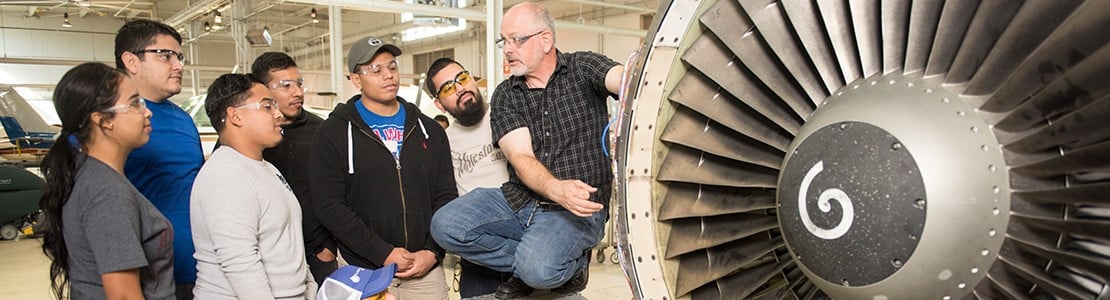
573,195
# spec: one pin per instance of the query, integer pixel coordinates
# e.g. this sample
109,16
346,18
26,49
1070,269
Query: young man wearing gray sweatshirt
246,221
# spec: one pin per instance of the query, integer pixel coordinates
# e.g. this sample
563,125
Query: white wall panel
19,43
619,47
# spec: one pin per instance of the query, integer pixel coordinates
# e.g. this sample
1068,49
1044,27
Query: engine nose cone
891,189
853,203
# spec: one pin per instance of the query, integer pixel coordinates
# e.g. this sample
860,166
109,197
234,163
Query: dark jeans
476,280
321,269
184,291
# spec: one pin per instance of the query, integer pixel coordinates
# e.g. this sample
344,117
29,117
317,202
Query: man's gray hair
548,21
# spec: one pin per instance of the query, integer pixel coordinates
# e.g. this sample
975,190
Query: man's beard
473,113
300,111
294,116
518,71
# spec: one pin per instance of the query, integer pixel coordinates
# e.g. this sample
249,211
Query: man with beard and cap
547,119
163,169
282,77
379,171
478,164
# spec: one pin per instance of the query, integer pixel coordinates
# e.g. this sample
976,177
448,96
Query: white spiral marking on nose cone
823,204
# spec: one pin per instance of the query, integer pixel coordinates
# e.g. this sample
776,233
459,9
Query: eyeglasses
136,105
515,41
376,69
164,54
287,84
450,87
268,105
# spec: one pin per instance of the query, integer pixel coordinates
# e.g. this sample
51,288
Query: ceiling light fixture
65,21
217,21
260,37
313,15
207,26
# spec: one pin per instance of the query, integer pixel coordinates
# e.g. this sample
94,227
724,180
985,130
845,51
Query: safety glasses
450,87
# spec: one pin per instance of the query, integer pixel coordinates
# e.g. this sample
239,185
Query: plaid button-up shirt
566,120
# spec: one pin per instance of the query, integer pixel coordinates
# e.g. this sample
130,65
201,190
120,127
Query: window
421,61
429,26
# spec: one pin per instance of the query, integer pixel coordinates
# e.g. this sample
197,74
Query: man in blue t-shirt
390,129
379,171
164,169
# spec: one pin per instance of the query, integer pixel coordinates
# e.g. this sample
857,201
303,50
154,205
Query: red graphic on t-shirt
390,134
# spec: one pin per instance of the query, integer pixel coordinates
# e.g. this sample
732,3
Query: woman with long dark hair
105,240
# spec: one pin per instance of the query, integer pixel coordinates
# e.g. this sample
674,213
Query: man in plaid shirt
548,119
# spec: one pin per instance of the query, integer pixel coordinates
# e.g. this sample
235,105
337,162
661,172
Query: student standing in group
246,220
163,169
478,163
547,118
442,120
379,170
105,240
280,74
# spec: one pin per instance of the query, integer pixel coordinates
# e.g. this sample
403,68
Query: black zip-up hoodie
370,201
291,157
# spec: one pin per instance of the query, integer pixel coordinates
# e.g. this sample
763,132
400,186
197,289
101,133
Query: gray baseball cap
365,48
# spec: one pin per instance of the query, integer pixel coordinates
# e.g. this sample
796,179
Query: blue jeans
541,245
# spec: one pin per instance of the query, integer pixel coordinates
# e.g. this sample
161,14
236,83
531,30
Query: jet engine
866,149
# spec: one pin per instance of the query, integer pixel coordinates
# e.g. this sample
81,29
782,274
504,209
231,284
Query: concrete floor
24,273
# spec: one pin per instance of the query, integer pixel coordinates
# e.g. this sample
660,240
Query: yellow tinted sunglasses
451,86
